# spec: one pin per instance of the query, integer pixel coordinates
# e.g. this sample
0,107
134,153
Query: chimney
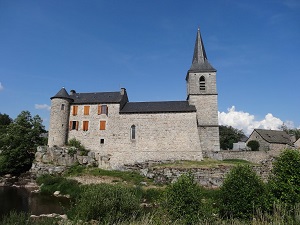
72,92
123,91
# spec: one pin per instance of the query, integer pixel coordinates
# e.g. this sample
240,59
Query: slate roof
97,97
90,98
158,107
274,136
200,62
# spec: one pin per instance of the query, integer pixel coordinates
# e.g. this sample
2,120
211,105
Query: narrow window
74,125
102,109
102,141
74,110
132,132
102,124
202,83
85,126
62,107
86,110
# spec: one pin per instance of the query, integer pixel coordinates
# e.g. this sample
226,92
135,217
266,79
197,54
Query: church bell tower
202,93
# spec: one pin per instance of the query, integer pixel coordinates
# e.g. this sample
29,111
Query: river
22,200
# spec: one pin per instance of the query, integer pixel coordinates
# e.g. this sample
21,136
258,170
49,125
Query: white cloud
42,106
246,122
1,86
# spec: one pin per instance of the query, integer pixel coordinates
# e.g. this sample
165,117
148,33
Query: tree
242,193
19,142
228,136
183,199
253,145
284,182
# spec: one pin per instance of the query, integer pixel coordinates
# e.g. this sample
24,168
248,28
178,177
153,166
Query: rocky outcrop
55,160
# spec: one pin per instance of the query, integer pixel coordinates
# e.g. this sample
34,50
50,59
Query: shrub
57,183
106,203
284,183
76,144
183,199
253,145
241,193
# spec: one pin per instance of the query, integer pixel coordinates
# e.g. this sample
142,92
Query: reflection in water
21,200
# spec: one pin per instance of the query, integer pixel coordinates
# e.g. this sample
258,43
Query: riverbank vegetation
242,199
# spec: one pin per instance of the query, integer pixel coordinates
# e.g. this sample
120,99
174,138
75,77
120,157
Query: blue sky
147,47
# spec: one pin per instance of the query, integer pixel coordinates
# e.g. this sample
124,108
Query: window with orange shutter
74,110
85,126
102,124
73,125
86,110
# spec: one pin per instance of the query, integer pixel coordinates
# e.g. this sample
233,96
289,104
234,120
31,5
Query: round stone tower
59,118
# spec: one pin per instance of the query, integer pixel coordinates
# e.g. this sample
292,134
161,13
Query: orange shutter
70,126
75,109
86,110
99,109
85,125
77,123
102,125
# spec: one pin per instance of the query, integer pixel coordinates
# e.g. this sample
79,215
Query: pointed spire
62,94
200,62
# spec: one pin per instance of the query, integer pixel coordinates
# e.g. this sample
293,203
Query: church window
85,126
62,107
74,110
102,109
86,110
202,83
102,124
132,132
74,125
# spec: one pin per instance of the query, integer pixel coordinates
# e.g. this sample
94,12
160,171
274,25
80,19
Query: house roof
200,62
90,98
96,97
274,136
157,107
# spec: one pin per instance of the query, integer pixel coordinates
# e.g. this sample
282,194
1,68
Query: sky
147,48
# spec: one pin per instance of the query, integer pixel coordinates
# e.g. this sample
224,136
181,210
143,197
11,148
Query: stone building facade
271,140
122,132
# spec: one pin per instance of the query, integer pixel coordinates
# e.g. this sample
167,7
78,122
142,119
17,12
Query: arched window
202,83
132,132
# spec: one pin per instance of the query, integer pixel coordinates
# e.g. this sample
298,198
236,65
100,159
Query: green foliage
253,145
50,184
78,146
183,199
19,142
14,218
106,203
228,136
241,193
284,182
75,170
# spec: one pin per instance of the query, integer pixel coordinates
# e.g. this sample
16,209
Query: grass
115,175
206,163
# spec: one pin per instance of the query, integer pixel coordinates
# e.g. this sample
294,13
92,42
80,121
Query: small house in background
241,144
271,140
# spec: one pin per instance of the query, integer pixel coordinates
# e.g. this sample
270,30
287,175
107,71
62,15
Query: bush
78,146
253,145
106,203
183,199
242,193
284,183
57,183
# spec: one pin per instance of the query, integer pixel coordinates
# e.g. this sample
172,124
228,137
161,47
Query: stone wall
210,177
55,160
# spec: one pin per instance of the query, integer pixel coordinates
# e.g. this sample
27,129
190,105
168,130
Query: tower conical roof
62,94
200,62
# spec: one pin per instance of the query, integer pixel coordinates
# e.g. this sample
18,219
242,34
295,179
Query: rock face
55,160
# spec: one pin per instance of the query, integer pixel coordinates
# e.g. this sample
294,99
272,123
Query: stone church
123,132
